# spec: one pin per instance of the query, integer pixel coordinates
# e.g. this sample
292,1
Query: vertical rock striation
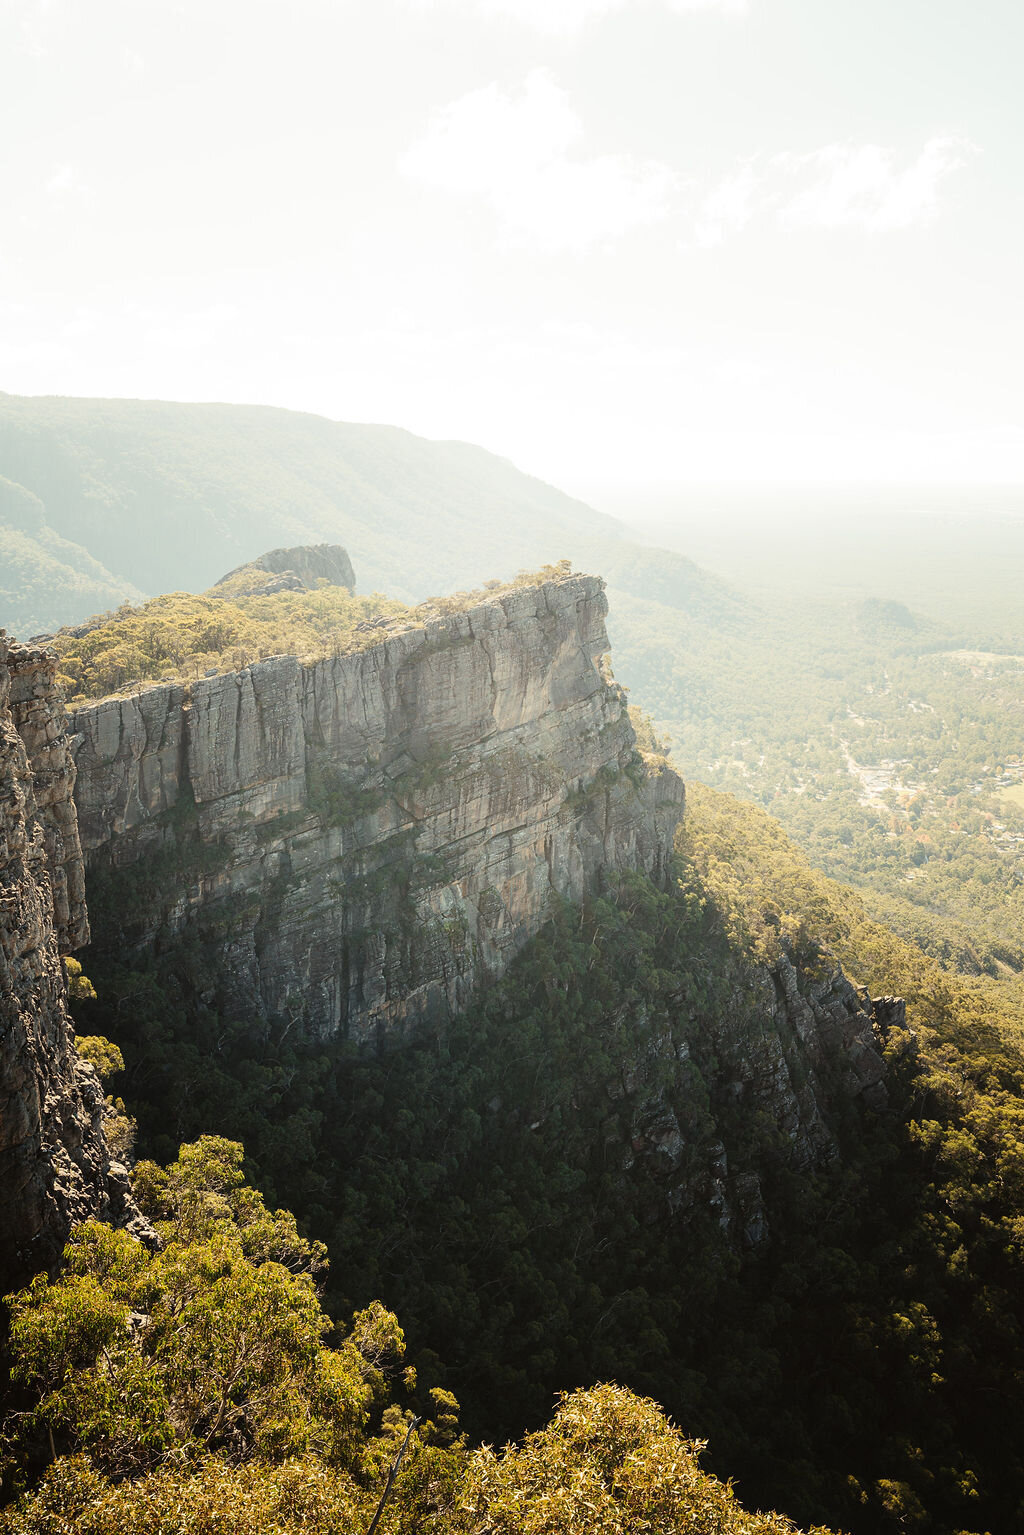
39,719
359,840
54,1165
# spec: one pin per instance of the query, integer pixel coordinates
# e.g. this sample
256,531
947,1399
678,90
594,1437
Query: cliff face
358,840
790,1049
54,1165
37,715
352,844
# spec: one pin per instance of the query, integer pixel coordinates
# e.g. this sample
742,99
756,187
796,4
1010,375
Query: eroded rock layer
356,841
54,1165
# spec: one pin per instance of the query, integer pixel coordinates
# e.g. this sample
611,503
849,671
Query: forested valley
858,1364
869,694
625,1201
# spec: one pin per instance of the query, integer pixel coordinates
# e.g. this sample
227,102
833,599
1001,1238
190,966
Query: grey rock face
358,840
354,843
54,1164
37,715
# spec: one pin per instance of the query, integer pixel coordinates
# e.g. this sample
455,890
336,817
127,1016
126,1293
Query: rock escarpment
791,1048
357,841
54,1164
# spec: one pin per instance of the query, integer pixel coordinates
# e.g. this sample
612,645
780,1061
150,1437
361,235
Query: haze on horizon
626,243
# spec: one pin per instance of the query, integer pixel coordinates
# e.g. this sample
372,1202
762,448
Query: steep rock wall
37,714
792,1048
358,840
54,1164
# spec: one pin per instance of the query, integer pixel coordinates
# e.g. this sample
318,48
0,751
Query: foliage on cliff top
192,1389
182,636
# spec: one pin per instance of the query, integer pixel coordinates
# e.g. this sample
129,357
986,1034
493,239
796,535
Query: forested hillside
203,1388
167,496
46,579
848,1337
872,699
845,1330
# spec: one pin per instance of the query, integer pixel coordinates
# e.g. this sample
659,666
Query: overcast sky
621,241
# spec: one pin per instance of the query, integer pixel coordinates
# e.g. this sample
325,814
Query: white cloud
568,17
729,207
519,153
512,152
65,182
727,7
863,187
189,332
841,186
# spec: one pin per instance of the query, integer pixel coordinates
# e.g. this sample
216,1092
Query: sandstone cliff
357,841
352,844
54,1165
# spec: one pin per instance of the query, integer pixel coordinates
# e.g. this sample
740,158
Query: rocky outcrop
288,570
357,841
793,1048
54,1165
38,717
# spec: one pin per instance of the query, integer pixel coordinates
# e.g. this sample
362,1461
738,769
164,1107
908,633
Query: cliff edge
54,1164
358,840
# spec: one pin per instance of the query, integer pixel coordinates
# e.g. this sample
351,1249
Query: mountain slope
171,496
44,578
108,499
774,694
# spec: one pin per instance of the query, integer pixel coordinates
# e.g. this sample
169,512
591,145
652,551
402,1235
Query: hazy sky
621,241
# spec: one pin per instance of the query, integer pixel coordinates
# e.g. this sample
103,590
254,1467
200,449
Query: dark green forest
494,1186
204,1388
